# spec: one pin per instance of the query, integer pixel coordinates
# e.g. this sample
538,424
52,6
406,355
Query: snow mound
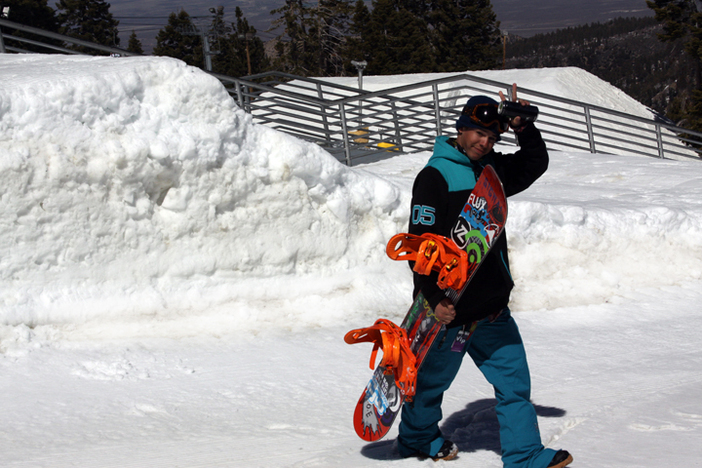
129,174
140,200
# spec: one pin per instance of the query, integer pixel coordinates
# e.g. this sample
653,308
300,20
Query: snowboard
480,223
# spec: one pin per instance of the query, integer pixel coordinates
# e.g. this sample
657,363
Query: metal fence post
239,97
659,138
325,122
344,129
2,43
396,120
590,131
437,109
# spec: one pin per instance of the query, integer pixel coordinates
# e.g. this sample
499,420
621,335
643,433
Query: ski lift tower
205,35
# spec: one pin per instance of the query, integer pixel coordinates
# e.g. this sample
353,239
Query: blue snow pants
496,348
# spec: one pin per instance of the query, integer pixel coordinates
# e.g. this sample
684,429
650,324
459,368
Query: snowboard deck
480,223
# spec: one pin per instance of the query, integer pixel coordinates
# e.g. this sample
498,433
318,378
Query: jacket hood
444,150
456,168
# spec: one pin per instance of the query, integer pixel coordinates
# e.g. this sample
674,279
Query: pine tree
226,60
241,51
331,24
35,13
396,41
295,52
357,43
465,34
313,39
682,19
253,45
216,35
88,20
171,42
134,44
256,53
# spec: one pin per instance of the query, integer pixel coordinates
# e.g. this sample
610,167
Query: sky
176,282
520,17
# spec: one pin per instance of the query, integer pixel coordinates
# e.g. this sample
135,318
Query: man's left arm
519,170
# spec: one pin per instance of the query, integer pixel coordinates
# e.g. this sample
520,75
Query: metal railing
353,124
51,48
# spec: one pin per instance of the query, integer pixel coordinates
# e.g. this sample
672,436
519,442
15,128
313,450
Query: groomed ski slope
175,283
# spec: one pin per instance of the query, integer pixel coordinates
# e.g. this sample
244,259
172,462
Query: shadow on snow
473,428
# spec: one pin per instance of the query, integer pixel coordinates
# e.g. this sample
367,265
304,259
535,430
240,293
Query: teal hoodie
458,170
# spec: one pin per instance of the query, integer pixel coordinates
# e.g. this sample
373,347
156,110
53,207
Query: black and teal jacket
439,193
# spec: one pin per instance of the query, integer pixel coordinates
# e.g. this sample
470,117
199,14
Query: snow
176,281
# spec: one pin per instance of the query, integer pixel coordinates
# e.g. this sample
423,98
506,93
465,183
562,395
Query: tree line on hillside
316,38
577,34
394,36
682,23
235,49
657,61
624,52
636,55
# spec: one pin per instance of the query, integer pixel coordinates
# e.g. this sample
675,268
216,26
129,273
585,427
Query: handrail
421,111
52,35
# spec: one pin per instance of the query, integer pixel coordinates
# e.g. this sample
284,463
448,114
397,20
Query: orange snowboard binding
432,252
398,358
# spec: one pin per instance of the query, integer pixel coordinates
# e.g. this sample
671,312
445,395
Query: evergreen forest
656,60
625,52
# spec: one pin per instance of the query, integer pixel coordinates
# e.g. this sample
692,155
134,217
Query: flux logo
474,232
478,203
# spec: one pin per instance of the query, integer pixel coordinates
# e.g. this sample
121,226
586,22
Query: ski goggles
487,115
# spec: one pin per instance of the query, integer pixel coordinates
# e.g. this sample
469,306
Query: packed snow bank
129,181
139,200
595,228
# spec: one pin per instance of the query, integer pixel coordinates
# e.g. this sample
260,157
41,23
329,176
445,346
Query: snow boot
448,451
561,459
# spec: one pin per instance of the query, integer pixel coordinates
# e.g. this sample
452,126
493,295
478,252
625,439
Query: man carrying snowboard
480,324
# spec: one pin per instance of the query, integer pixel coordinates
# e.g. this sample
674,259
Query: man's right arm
429,206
